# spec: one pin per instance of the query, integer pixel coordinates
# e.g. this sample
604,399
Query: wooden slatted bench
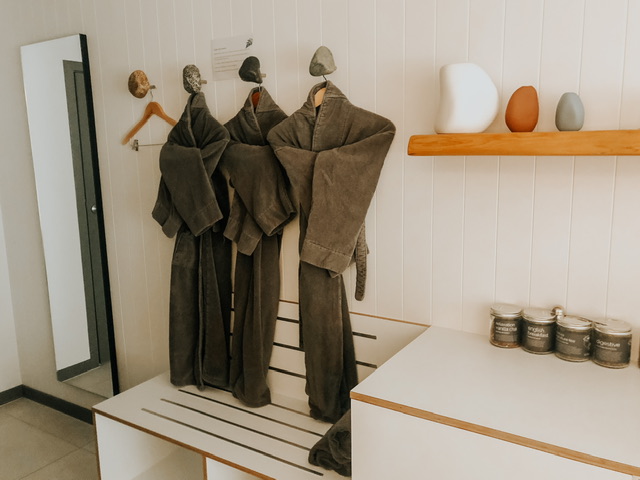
157,431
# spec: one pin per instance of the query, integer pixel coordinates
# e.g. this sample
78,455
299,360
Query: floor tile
3,414
78,465
24,449
91,447
51,421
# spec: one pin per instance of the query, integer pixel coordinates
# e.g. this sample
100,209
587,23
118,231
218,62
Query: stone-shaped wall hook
322,62
139,84
250,70
191,79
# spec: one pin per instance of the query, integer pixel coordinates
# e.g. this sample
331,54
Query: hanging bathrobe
260,209
333,156
193,204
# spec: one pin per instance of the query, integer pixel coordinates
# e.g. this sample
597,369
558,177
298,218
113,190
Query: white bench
157,431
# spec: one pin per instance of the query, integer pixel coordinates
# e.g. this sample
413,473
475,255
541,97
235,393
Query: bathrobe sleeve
186,192
340,183
189,186
261,200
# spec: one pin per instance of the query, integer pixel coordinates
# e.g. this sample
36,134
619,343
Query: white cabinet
452,406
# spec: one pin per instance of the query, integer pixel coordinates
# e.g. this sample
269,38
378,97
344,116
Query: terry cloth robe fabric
259,211
333,159
333,450
193,203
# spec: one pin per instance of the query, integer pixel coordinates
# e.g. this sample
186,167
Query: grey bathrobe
193,204
333,450
259,211
333,158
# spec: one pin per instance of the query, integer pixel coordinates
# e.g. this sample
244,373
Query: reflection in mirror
63,143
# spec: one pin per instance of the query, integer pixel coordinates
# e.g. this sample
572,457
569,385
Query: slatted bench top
270,442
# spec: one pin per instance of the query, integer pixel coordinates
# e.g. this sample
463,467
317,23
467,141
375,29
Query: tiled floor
37,443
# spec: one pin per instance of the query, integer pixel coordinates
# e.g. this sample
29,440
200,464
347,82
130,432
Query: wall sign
228,53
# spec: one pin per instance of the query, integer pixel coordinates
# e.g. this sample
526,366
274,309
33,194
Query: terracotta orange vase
522,110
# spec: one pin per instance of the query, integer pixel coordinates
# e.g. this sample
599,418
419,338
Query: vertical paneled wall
9,361
448,235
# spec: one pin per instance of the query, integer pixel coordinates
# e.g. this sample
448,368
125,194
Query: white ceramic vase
468,99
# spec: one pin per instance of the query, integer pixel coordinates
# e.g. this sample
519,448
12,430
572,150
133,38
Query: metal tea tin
612,343
538,330
505,325
573,338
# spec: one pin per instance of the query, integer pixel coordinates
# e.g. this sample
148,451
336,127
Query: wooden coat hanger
153,108
139,86
319,96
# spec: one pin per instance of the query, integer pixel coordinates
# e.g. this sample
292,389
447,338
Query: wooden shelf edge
596,143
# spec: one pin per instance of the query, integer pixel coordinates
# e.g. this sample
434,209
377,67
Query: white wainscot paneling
515,218
480,230
448,219
551,231
591,235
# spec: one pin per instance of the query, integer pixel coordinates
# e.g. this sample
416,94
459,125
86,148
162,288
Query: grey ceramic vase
570,112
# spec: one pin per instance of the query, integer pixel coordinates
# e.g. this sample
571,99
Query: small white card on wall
228,53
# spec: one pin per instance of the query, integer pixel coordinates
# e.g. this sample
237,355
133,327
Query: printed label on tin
506,331
612,350
538,338
573,344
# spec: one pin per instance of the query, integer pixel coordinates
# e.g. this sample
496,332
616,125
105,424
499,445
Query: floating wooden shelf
602,142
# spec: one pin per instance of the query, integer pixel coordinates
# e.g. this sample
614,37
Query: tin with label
612,343
538,330
505,325
573,338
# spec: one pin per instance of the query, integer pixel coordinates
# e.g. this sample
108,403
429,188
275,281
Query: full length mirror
63,144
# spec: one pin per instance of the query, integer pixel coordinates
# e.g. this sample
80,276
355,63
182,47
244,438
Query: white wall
448,235
9,361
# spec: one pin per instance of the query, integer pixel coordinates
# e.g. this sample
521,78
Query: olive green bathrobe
193,204
259,211
333,156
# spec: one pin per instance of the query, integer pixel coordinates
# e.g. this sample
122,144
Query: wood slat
601,142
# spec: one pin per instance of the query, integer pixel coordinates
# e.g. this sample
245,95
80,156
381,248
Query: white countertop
577,407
